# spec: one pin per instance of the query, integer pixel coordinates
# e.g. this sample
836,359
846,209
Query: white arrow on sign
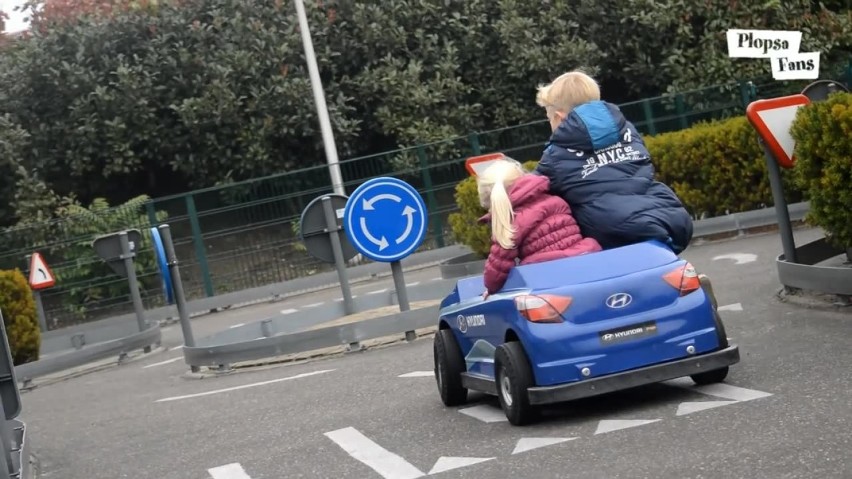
408,211
368,204
739,258
381,243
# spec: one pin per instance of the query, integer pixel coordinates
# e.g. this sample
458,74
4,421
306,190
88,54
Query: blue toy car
579,327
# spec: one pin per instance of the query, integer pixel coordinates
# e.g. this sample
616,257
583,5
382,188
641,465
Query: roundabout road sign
385,219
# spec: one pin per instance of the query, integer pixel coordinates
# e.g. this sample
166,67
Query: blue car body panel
655,326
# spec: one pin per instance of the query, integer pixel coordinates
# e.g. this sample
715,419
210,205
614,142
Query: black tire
449,364
710,377
512,366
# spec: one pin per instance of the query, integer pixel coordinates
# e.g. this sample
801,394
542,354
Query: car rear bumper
634,377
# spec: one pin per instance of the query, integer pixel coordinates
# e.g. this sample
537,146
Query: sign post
385,219
772,119
321,230
118,250
40,278
10,399
165,251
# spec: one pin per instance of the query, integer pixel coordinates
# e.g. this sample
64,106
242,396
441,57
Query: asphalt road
784,411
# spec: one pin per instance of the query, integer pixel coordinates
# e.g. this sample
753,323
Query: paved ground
784,412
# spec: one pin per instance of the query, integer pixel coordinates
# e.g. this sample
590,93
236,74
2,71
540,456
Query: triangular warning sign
40,275
772,119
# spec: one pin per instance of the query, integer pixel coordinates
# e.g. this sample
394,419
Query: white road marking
436,279
485,413
739,258
722,390
384,462
167,361
176,348
447,463
236,325
289,311
378,291
410,285
696,406
731,307
608,425
529,443
312,305
417,374
229,471
244,386
337,300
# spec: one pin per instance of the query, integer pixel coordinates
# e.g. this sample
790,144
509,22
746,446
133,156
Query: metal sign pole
785,228
401,293
337,250
127,255
177,285
42,318
10,399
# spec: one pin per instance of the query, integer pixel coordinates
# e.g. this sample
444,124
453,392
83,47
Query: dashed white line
229,471
312,305
365,450
411,285
244,386
167,361
436,279
731,307
417,374
236,325
378,291
289,311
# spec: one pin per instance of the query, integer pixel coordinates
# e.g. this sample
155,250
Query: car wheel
710,377
513,376
449,364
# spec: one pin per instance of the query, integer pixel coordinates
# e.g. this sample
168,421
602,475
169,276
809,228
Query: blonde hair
493,185
568,91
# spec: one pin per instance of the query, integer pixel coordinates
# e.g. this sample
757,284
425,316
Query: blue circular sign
385,219
162,262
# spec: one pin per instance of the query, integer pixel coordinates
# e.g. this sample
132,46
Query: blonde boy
596,161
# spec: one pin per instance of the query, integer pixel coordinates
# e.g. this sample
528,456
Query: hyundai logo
619,300
462,323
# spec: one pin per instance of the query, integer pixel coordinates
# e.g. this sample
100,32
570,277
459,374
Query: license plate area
628,333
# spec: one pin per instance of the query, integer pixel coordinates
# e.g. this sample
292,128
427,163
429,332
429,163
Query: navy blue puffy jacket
596,160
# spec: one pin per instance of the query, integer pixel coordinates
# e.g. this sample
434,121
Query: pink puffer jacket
544,230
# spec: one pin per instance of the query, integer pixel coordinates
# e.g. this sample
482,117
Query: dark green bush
19,316
823,134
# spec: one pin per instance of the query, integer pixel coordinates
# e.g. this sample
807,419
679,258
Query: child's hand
485,295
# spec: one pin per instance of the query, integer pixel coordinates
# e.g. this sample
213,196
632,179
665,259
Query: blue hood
597,161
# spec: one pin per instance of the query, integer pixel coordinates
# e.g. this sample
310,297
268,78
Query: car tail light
542,308
684,279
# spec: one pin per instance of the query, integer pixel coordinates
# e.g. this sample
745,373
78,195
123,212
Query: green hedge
823,134
715,168
19,316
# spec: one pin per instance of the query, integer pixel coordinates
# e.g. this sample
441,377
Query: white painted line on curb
229,471
289,311
235,388
378,291
167,361
731,307
362,448
236,325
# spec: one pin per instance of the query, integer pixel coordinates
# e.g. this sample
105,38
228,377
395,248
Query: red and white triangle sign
40,275
773,119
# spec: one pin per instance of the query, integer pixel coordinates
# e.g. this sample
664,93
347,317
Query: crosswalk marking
379,459
228,471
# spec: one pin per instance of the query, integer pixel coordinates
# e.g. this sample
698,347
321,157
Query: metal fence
244,235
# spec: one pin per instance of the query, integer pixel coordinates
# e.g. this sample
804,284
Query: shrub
823,134
715,168
19,316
